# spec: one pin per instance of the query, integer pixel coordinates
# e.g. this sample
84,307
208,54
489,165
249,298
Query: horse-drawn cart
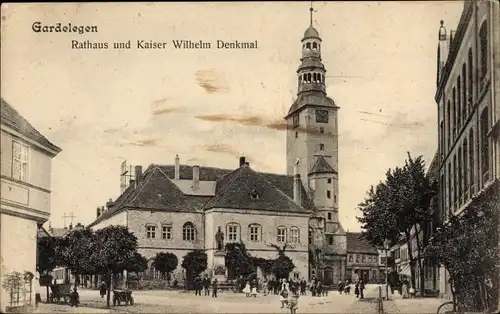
120,296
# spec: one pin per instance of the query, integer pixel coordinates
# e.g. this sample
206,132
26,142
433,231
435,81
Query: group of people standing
204,284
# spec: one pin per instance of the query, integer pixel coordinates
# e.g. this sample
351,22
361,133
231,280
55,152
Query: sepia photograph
250,157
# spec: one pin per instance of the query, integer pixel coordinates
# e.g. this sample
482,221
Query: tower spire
311,14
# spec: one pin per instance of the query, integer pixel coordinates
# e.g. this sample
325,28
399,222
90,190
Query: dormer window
254,195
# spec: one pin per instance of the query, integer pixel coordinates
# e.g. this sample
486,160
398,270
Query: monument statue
219,237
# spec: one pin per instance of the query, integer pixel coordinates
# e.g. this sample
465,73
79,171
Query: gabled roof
42,233
239,193
12,119
322,166
355,244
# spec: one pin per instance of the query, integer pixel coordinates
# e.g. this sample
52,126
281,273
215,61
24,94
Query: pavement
396,304
155,301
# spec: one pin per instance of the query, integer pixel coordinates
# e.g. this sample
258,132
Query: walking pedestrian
206,286
102,289
356,289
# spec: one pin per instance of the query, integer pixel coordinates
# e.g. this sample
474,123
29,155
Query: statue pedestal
219,271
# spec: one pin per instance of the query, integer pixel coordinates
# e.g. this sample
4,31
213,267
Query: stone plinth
219,270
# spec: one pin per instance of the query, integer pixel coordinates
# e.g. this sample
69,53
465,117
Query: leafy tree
283,265
136,264
399,206
74,251
238,260
47,257
113,250
468,248
166,263
194,263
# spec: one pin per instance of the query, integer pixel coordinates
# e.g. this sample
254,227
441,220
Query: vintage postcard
250,157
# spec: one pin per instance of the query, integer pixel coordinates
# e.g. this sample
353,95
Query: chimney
296,183
98,212
109,203
247,163
138,174
177,168
242,161
196,177
103,210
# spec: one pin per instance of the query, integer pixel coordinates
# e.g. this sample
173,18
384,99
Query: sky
145,106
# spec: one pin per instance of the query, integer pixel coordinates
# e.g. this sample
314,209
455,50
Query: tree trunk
110,286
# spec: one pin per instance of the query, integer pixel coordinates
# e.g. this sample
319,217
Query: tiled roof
237,193
356,244
12,119
157,190
311,99
322,166
433,172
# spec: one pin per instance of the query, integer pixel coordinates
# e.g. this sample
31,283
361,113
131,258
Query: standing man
206,285
361,289
214,288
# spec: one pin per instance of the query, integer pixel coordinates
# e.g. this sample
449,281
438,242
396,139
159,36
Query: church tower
312,131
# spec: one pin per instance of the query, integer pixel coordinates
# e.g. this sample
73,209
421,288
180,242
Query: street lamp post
386,246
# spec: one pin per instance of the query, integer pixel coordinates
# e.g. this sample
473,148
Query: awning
405,270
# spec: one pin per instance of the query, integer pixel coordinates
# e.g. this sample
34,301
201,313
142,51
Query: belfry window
315,46
308,45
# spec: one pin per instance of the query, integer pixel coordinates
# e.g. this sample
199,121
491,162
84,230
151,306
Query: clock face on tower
321,116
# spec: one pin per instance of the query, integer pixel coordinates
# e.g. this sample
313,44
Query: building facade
468,109
26,157
362,260
179,208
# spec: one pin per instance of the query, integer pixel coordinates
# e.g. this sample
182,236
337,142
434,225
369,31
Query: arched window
255,232
314,77
448,124
483,41
471,161
188,231
308,45
310,235
315,46
459,175
329,216
470,77
485,148
441,138
294,235
450,191
281,234
233,232
465,162
464,92
459,103
454,113
455,190
308,77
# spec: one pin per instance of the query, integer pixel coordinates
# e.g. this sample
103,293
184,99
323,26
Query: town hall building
178,208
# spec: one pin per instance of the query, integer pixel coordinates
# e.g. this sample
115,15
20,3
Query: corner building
179,208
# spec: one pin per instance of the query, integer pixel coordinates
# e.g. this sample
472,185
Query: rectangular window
357,258
321,146
20,154
363,259
281,235
254,233
335,199
294,235
329,180
295,121
328,194
330,240
166,232
150,232
232,232
321,130
350,258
